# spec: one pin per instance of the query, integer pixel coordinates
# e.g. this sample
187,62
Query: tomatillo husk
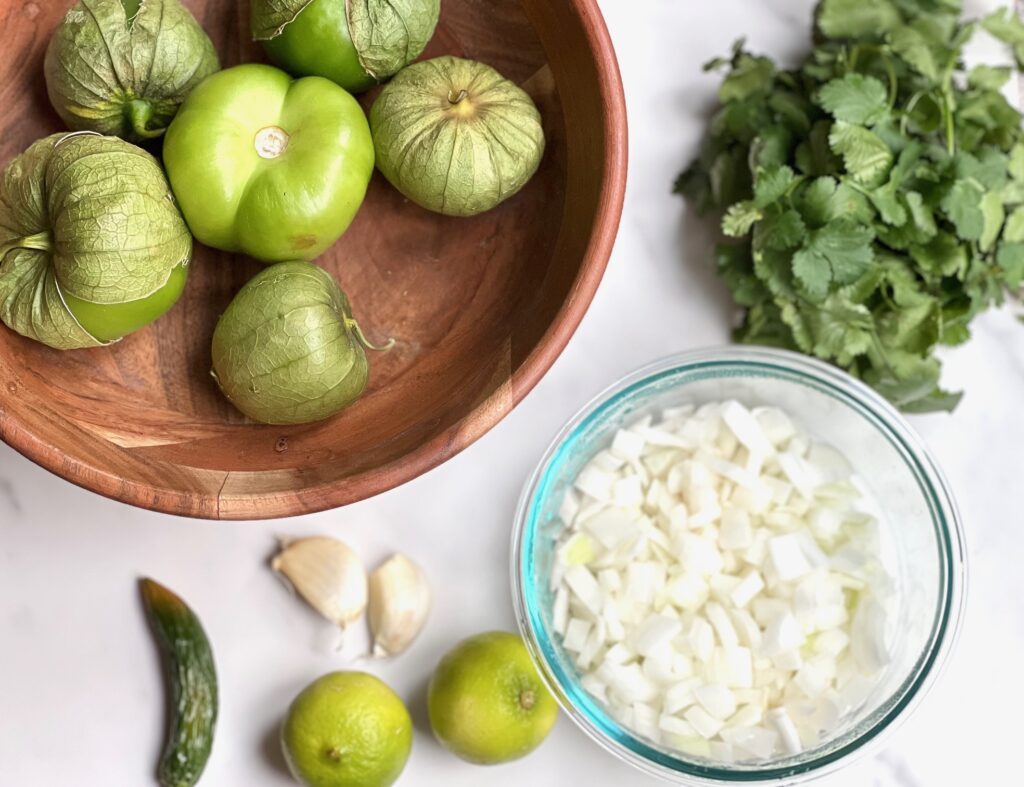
355,43
287,349
92,245
123,67
455,136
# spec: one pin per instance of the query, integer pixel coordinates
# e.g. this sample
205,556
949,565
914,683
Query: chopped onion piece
560,610
681,695
749,586
707,726
628,444
783,633
716,699
735,531
585,588
719,619
576,634
673,725
596,483
754,740
701,639
654,632
787,557
628,492
786,729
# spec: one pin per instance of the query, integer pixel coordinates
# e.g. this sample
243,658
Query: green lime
487,703
347,729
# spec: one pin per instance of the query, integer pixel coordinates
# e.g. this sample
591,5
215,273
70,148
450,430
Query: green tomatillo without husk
92,246
269,166
287,349
455,136
355,43
123,67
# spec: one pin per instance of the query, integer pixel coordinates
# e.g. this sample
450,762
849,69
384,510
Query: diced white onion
702,585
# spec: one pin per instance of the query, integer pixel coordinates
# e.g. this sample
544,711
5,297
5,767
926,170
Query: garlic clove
327,574
399,604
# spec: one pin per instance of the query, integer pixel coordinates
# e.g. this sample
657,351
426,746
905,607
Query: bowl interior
479,307
918,537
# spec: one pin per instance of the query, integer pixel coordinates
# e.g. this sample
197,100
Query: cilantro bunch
874,196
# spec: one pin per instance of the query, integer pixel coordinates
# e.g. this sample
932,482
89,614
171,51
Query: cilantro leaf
736,269
989,77
839,253
912,328
740,219
750,75
1011,259
1005,25
771,185
911,45
838,329
942,256
781,231
994,215
866,157
1014,230
856,18
855,99
813,155
909,381
1015,166
771,148
988,167
962,204
825,199
775,269
887,202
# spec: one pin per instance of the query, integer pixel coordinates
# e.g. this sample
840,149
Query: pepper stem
139,114
351,324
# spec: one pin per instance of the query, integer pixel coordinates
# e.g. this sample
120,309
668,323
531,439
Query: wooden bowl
480,308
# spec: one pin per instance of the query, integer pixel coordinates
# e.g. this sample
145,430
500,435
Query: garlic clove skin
327,574
399,604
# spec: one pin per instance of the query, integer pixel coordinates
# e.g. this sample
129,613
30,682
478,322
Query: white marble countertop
80,690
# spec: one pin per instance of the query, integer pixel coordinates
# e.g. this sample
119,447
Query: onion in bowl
720,582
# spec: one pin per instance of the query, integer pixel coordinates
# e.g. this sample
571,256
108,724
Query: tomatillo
123,67
287,349
92,246
269,166
455,136
355,43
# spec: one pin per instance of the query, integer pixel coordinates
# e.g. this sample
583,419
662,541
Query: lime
487,703
347,729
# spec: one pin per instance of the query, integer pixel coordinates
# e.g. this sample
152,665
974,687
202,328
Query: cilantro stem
947,112
894,85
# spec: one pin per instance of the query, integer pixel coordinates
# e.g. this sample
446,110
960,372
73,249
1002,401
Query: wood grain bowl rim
454,439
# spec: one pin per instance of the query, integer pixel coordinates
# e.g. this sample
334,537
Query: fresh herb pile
875,195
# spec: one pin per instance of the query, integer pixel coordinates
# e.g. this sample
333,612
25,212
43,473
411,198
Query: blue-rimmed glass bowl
920,525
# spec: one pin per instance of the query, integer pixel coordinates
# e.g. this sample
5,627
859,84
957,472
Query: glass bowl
920,524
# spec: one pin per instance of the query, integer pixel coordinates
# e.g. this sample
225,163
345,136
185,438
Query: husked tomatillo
267,165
